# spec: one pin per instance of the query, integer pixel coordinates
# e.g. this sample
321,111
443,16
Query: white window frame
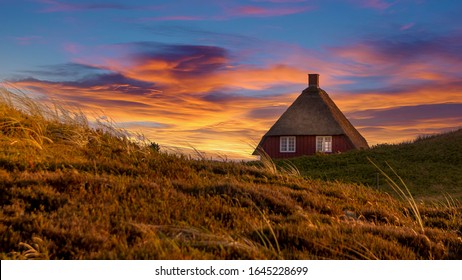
285,144
324,144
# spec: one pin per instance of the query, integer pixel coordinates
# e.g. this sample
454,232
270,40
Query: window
287,144
324,144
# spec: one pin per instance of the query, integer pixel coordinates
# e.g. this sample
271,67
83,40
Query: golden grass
94,194
403,192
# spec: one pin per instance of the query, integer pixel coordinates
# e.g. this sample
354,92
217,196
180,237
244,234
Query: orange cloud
183,96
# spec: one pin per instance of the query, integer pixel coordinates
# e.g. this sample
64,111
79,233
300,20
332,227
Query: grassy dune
69,191
431,166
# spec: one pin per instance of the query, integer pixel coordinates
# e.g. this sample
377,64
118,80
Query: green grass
69,191
431,166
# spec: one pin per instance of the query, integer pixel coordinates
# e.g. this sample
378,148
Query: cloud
54,6
403,123
411,48
401,86
407,26
272,112
195,35
199,95
111,81
204,96
398,134
28,40
197,69
87,86
142,124
231,11
402,61
64,71
101,82
173,18
374,4
409,116
260,11
281,1
220,96
72,48
186,60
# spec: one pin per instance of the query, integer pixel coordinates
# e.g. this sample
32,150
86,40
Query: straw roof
314,113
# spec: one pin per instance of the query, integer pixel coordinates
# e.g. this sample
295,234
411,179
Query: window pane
291,145
319,144
324,144
328,144
283,142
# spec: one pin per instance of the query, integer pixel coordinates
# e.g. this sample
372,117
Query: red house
312,124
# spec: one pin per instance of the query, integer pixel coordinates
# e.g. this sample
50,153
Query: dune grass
402,190
90,193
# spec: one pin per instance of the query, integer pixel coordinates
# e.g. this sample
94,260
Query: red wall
305,145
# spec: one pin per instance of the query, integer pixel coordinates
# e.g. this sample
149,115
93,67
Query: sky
216,75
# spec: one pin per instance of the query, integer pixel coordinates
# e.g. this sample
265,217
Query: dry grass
94,194
285,169
402,191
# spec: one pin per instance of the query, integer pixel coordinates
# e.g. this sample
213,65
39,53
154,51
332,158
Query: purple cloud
72,48
409,47
28,40
402,62
228,11
374,4
407,116
221,96
187,61
407,26
260,11
115,82
267,112
173,18
209,37
66,70
281,1
143,124
405,48
54,6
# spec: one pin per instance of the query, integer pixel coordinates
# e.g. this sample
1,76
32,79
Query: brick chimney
313,80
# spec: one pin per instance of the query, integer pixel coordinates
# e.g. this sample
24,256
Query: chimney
313,80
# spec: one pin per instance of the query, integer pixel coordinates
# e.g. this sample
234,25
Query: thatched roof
314,113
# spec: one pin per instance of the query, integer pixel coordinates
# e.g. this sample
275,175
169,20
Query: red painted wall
305,145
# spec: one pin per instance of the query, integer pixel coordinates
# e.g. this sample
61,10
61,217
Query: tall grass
24,120
15,131
452,207
403,192
273,244
285,169
16,128
36,250
267,161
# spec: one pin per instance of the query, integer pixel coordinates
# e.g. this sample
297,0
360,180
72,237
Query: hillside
69,191
431,166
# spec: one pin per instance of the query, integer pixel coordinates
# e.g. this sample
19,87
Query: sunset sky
215,75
